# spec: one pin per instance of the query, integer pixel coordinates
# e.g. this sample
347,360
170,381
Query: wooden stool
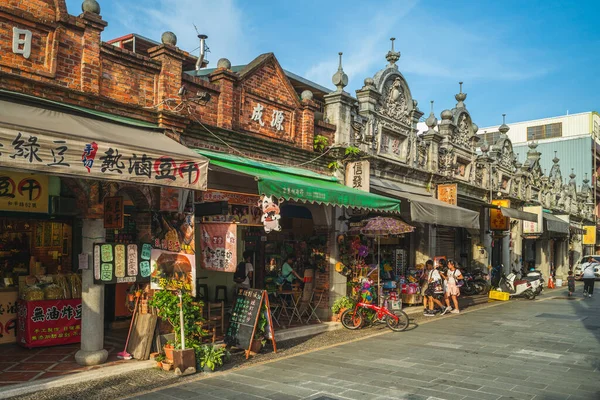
216,319
202,291
221,293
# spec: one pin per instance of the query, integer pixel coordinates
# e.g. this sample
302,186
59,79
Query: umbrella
382,226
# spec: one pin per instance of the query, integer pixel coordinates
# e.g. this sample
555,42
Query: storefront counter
8,314
49,322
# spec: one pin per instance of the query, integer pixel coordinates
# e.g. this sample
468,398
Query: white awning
47,141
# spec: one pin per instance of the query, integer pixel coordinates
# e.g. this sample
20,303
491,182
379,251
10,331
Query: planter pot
167,366
256,346
158,364
169,352
184,359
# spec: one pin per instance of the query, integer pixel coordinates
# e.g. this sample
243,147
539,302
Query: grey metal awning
518,214
427,209
555,224
577,230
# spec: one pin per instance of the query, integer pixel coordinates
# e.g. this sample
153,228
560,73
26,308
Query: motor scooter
516,288
536,279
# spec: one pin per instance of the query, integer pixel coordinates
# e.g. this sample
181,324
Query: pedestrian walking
435,288
571,283
423,284
452,290
589,277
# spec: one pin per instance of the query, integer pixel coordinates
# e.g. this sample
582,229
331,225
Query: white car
577,271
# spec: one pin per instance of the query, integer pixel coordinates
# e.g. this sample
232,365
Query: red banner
49,322
218,244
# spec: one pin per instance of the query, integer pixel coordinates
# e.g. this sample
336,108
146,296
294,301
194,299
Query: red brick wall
127,84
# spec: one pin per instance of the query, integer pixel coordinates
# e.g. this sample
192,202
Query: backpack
240,272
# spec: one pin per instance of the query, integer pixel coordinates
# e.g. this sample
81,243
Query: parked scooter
516,288
536,279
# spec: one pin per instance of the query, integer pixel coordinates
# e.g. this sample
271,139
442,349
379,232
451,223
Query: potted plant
259,339
341,305
159,360
167,305
210,357
167,365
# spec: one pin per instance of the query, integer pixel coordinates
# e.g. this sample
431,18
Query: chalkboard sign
120,263
244,318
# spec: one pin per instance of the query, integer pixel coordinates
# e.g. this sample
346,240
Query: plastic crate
495,295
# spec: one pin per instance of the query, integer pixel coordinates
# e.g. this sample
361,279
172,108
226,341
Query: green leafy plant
160,358
352,151
211,356
342,302
334,165
167,305
320,142
261,327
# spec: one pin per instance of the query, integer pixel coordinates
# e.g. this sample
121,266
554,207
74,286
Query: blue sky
528,59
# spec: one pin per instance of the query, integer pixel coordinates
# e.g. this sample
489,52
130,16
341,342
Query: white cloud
222,21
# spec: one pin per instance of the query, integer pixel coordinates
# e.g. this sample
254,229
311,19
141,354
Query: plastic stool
202,291
221,290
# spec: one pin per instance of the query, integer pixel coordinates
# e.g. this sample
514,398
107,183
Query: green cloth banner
302,185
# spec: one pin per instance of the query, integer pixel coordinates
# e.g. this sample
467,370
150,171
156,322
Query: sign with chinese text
357,175
69,155
498,222
533,227
218,246
114,213
448,193
8,317
243,208
245,314
49,322
277,117
23,192
230,197
173,271
121,263
590,235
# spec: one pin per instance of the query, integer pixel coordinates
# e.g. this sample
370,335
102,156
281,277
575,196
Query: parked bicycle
354,318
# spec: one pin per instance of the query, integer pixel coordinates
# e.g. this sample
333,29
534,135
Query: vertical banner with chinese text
448,193
218,246
589,238
358,175
498,222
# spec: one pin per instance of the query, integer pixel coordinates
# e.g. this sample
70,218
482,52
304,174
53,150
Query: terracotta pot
256,346
169,352
167,366
158,364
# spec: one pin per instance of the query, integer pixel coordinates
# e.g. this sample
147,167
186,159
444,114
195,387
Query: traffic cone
551,283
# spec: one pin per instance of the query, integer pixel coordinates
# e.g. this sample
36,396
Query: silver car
577,271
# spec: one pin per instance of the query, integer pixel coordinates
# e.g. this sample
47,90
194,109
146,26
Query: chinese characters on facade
277,117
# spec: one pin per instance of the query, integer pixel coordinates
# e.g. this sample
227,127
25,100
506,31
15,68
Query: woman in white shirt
452,290
434,279
589,277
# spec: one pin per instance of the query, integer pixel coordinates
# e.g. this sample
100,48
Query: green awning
301,185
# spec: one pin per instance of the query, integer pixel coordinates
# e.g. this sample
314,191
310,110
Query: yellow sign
590,235
498,222
23,192
448,193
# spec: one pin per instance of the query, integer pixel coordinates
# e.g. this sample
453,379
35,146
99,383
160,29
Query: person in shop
434,291
288,274
452,276
244,271
423,283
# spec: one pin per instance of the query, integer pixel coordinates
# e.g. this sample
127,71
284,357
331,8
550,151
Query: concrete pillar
92,299
432,241
542,261
506,261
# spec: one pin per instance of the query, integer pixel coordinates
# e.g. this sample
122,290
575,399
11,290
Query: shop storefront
276,212
88,205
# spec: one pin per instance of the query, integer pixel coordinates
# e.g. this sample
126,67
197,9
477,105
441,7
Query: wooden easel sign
245,315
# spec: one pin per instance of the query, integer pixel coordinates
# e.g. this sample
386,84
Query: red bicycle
354,318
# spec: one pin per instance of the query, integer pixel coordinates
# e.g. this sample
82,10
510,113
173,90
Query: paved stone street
545,349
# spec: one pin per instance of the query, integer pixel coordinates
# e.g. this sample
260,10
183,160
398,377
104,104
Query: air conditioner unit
63,206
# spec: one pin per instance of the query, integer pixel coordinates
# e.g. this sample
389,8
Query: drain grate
561,316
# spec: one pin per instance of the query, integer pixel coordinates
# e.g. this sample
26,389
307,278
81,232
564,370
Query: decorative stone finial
392,56
518,164
586,180
572,174
503,128
169,38
431,121
460,97
306,95
224,63
475,128
340,79
446,115
484,146
555,160
91,6
532,145
369,83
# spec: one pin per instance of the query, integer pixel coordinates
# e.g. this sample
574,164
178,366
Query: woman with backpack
244,271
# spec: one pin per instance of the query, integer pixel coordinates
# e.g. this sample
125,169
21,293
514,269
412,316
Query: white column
92,299
506,261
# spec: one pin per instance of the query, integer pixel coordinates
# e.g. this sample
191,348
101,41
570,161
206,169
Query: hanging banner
358,175
533,227
114,213
448,193
8,317
173,271
230,197
121,263
218,246
173,231
23,192
590,235
498,222
270,213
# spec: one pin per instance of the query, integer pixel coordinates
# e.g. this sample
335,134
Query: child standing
571,283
